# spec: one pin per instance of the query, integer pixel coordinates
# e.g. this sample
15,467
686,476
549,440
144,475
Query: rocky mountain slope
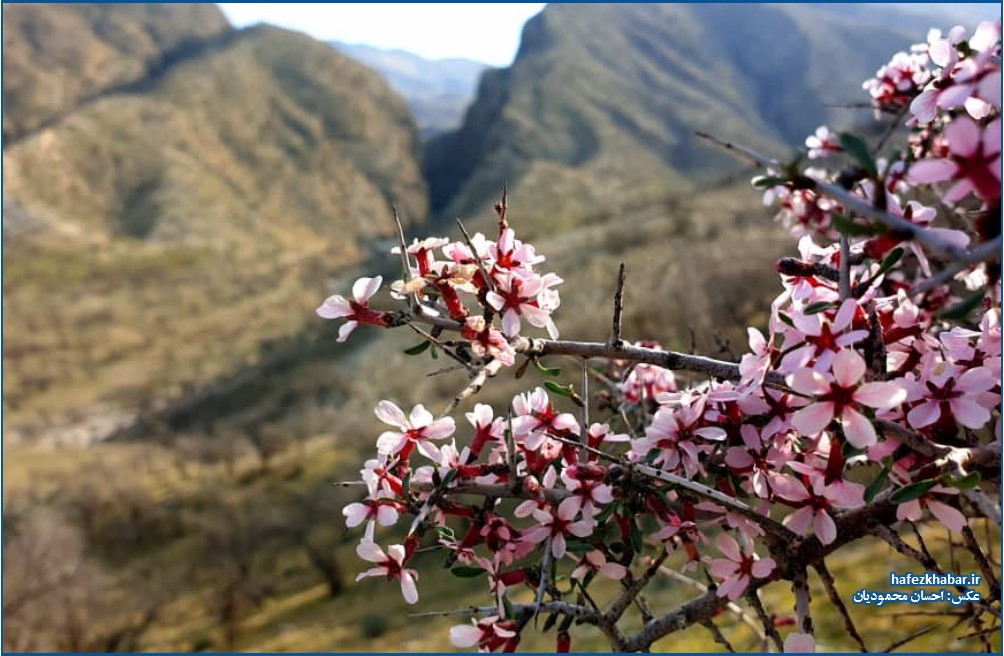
55,56
162,235
602,101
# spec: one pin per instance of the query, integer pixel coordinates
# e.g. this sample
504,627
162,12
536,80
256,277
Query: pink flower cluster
856,355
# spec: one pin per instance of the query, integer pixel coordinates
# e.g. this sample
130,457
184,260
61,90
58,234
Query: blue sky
484,32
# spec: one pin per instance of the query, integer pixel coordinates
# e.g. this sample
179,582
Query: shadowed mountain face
437,91
604,100
57,55
175,226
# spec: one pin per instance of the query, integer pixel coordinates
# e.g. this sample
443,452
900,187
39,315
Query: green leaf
817,307
768,181
911,492
435,353
848,227
446,532
467,572
507,606
545,370
880,481
560,390
578,548
406,485
858,150
894,256
637,541
967,482
964,308
418,348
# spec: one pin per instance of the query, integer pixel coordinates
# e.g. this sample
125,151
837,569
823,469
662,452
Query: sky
484,32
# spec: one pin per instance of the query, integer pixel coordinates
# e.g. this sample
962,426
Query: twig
731,606
534,347
718,636
800,586
838,603
545,576
631,590
405,260
753,596
770,525
845,267
969,538
477,258
982,253
910,638
615,335
898,225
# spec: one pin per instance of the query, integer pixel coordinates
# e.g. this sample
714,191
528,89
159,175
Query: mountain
58,55
602,101
164,235
437,90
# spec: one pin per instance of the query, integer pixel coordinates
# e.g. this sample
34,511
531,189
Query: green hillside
175,228
602,102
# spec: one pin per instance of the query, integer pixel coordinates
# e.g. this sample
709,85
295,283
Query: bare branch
910,638
897,225
477,258
800,586
845,267
405,260
838,603
985,252
615,335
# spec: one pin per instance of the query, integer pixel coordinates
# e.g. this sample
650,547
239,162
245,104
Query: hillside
57,56
438,91
177,228
602,102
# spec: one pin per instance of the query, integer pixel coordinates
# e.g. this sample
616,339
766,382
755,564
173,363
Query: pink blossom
535,417
415,431
913,511
738,567
354,309
820,337
596,561
391,565
518,296
839,396
814,504
557,523
372,510
946,389
822,143
489,633
974,161
673,433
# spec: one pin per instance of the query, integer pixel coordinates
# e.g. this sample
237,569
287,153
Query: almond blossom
913,511
557,524
840,396
738,567
596,561
391,565
355,309
489,633
949,390
974,162
416,430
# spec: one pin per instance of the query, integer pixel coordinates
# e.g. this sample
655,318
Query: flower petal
813,418
858,429
848,368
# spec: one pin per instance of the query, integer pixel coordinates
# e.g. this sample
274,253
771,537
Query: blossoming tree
872,400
